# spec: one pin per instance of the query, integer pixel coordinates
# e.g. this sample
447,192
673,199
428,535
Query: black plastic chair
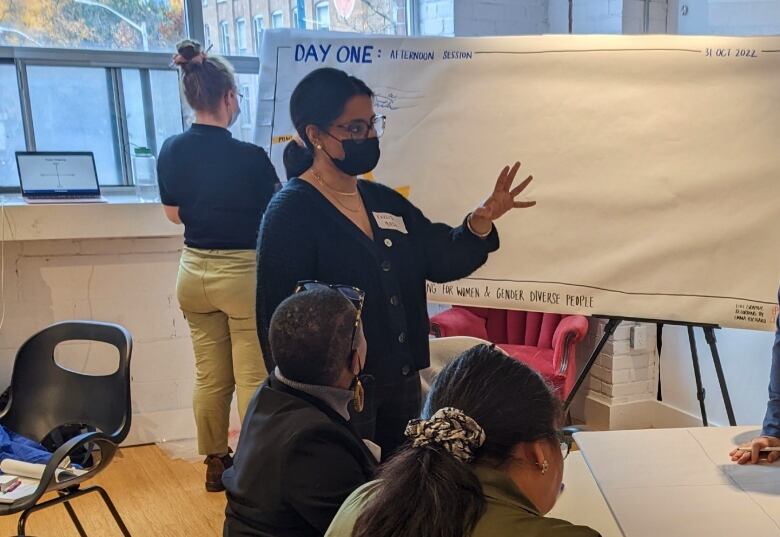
45,396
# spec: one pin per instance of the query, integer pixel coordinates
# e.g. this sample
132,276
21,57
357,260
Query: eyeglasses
356,296
566,441
359,129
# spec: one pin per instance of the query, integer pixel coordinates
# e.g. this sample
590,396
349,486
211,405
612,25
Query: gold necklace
325,185
338,201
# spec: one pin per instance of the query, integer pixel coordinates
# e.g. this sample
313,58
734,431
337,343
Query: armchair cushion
459,322
538,359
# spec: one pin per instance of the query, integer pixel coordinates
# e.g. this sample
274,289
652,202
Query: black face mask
359,156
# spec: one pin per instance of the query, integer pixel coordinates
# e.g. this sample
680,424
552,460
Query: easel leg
709,334
700,392
609,329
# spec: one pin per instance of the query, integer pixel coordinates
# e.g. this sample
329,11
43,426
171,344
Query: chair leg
114,512
74,519
20,527
65,499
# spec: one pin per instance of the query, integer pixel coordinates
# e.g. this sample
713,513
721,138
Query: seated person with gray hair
298,457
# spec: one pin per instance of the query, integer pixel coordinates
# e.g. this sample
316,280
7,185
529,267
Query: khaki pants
216,291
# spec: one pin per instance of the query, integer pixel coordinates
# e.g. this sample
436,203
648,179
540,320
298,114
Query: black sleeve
286,254
266,174
321,472
451,253
166,175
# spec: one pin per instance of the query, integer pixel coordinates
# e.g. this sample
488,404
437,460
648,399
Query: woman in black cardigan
327,225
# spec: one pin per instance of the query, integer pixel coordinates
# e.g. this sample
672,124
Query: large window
116,96
11,131
241,36
258,28
322,15
224,37
99,24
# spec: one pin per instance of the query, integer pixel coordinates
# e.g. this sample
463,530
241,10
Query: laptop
58,177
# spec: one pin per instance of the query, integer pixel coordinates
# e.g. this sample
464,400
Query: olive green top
508,512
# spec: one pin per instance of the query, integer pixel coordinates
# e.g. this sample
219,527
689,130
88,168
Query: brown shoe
215,466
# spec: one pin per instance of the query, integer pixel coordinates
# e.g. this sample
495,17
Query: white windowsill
124,216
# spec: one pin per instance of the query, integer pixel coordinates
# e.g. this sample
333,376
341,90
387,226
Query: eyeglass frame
301,286
565,441
372,125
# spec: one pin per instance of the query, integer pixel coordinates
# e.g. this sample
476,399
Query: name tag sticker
390,221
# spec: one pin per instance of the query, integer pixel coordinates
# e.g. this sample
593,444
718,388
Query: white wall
126,281
746,356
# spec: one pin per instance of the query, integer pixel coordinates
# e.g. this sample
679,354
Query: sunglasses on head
353,294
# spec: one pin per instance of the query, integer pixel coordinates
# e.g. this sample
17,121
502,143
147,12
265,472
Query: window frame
113,62
241,47
258,32
278,13
224,37
317,7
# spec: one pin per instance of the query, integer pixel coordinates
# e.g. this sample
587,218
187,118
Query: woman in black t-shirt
218,188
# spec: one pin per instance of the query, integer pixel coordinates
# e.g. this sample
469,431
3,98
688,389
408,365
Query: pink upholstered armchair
543,341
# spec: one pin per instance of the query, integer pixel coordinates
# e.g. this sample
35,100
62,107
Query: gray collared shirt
336,398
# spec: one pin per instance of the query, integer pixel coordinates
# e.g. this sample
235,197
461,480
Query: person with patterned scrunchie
486,460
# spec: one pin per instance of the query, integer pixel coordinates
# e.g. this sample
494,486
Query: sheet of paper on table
681,482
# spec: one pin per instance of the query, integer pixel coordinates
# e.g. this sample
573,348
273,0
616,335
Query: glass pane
164,110
11,129
97,24
134,108
244,127
73,110
748,17
166,99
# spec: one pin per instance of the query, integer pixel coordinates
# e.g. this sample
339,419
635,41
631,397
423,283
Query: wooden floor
155,495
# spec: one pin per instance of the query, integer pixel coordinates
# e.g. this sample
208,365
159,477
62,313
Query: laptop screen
50,173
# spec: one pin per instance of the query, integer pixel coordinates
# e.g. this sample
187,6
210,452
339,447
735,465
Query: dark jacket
304,237
296,462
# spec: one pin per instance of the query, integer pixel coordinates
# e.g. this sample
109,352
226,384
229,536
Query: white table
681,482
581,501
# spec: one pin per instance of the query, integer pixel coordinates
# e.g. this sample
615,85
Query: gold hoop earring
359,398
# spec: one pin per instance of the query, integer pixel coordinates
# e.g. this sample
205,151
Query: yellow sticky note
403,190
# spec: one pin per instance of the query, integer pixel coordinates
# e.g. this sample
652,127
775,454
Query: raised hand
501,201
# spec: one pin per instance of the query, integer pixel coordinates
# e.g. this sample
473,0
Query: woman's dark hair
205,79
319,99
426,490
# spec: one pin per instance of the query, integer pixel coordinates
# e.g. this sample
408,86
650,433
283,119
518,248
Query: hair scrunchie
451,429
